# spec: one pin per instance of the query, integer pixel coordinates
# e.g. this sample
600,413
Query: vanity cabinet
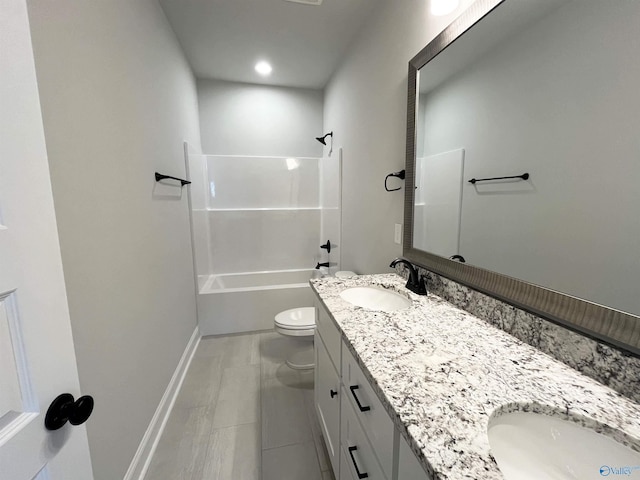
327,400
356,447
329,334
327,391
408,466
368,409
360,436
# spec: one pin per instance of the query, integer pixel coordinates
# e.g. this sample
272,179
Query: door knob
64,408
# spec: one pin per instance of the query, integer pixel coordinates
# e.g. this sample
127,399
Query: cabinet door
408,466
345,473
327,401
356,448
330,334
373,417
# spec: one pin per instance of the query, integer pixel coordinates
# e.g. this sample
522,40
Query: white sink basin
530,446
373,298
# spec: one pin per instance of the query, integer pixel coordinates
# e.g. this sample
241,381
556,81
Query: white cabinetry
327,401
359,434
369,411
408,466
327,384
356,447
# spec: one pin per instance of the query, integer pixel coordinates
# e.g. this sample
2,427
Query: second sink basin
374,298
530,446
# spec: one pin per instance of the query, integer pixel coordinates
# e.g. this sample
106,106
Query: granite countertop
442,373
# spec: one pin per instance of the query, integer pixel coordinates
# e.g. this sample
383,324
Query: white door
37,360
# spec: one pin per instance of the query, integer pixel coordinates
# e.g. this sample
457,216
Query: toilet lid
297,318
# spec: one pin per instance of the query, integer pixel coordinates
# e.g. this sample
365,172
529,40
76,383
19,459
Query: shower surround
257,225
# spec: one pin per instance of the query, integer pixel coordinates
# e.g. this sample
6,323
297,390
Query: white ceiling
223,39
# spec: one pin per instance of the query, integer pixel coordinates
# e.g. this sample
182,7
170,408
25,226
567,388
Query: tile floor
242,414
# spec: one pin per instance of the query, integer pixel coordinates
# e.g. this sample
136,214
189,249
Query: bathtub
244,302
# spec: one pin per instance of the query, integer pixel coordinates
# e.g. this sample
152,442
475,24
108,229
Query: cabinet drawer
329,333
374,418
327,401
409,468
345,473
357,453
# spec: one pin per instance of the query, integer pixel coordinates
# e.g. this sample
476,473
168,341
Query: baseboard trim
141,460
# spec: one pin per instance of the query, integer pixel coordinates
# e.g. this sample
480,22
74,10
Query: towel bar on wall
160,176
524,176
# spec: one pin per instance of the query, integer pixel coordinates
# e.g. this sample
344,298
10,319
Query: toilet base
299,323
302,360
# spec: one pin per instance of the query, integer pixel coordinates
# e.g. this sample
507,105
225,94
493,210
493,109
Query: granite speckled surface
606,364
443,373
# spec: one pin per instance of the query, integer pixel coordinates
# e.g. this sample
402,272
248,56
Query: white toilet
296,322
301,322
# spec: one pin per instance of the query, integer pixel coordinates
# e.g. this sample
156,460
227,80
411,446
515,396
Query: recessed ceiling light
263,68
443,7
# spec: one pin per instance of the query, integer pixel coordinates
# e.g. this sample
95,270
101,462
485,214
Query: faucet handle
422,285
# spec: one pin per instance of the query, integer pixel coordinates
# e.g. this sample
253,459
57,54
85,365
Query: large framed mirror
544,92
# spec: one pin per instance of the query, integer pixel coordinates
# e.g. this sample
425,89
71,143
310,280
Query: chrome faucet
415,283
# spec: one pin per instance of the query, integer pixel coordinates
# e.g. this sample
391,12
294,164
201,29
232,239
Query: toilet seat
296,322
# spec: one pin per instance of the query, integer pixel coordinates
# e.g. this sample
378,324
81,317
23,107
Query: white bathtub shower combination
258,223
249,301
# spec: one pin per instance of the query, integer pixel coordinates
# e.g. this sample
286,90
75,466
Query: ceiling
224,39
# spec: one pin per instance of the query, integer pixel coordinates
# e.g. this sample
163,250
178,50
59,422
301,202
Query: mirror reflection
548,88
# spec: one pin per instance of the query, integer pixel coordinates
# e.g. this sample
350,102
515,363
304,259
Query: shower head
322,139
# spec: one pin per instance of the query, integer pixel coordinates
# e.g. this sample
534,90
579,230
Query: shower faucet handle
325,264
327,246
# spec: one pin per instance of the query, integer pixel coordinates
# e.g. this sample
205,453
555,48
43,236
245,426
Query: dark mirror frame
616,328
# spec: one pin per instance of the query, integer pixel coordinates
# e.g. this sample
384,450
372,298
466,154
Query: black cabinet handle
353,389
64,409
355,465
333,393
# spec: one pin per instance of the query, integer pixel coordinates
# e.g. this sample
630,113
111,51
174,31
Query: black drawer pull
355,465
333,393
353,389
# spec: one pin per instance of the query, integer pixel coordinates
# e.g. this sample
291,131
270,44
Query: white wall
366,107
118,100
560,101
245,119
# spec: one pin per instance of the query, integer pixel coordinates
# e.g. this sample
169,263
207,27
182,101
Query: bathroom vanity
359,433
411,394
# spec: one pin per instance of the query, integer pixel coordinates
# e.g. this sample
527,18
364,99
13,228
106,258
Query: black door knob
333,393
64,409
